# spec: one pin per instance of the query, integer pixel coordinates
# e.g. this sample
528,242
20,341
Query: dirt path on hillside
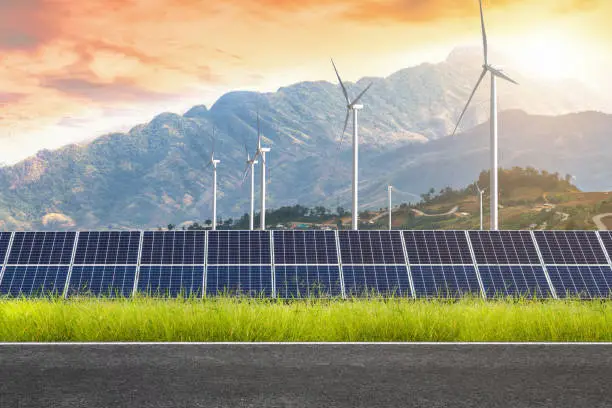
599,223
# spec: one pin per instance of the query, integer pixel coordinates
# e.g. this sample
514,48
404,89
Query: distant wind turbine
214,163
354,107
495,72
249,168
480,193
261,152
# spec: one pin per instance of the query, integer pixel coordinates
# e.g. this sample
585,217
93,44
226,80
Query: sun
552,54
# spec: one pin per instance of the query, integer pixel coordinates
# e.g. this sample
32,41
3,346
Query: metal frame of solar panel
239,263
577,262
36,263
441,264
509,264
306,264
373,263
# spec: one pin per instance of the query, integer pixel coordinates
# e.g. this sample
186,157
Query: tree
171,227
208,222
340,211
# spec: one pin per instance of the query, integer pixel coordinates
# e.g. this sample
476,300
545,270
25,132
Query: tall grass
230,319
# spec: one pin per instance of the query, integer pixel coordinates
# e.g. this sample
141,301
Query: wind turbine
480,193
495,73
214,163
261,152
354,107
249,168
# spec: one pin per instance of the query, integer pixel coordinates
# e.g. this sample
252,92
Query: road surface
409,375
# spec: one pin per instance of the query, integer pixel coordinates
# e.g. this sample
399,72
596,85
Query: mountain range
155,174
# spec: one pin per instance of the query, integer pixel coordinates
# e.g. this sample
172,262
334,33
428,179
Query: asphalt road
306,376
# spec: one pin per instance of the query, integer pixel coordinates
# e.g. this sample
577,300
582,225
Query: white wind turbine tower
261,152
354,107
495,72
480,193
214,163
250,163
390,188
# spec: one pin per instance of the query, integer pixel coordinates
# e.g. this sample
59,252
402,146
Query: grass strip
253,320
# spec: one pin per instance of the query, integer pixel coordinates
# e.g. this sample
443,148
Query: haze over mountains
155,174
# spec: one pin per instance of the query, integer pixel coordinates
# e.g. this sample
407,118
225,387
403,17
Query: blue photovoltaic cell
106,281
437,247
241,280
584,281
307,281
570,247
504,247
5,238
173,247
371,247
518,281
444,281
385,280
33,281
305,247
107,247
606,237
43,248
171,281
239,247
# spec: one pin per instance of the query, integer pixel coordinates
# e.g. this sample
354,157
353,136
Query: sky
71,70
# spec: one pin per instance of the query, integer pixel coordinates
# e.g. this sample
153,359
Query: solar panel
371,247
238,247
173,247
517,280
241,280
385,280
107,247
33,281
437,247
5,238
570,247
171,281
504,247
305,247
105,281
606,237
444,281
584,281
41,248
307,281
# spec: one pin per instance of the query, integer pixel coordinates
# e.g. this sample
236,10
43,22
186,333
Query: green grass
226,319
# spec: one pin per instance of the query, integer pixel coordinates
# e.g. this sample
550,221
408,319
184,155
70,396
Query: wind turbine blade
246,172
501,75
484,35
484,72
348,112
348,102
362,93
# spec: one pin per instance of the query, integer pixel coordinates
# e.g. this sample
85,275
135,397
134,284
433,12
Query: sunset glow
73,69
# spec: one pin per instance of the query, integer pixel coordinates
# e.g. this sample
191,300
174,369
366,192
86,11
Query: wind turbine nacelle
357,106
265,149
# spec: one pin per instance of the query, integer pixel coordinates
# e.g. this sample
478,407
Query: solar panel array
578,262
303,264
441,264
